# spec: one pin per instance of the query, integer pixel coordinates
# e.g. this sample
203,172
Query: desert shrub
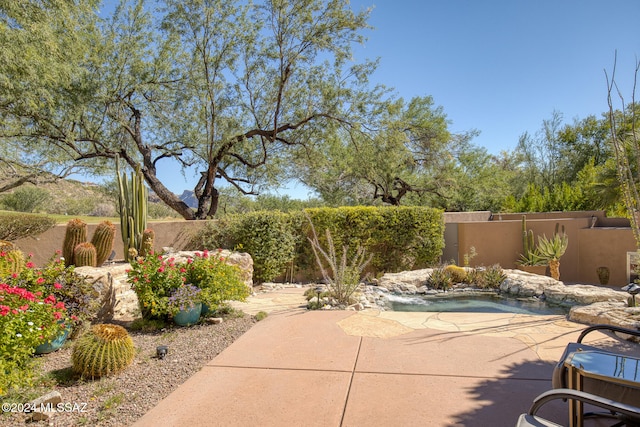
25,199
440,279
160,211
218,280
458,274
490,277
15,226
104,210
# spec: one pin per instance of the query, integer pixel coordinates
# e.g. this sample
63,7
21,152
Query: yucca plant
551,250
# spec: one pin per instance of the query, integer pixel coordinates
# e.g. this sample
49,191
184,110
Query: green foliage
267,236
14,227
27,319
261,315
103,239
154,279
554,247
489,278
218,280
457,274
75,233
440,279
104,350
24,199
399,238
342,278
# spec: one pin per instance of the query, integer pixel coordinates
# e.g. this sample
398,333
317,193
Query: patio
340,368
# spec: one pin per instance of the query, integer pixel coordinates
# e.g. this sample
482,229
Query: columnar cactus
84,255
133,209
75,234
102,240
104,350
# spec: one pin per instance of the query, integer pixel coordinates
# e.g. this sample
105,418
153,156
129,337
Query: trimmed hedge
400,238
18,226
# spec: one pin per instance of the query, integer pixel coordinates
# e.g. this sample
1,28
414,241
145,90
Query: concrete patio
340,368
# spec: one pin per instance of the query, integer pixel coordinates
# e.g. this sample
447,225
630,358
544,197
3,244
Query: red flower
161,269
30,265
24,307
50,299
40,281
57,285
4,310
57,315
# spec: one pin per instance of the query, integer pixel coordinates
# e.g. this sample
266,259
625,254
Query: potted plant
530,259
185,304
552,249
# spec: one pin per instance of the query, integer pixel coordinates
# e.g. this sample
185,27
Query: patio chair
626,414
603,388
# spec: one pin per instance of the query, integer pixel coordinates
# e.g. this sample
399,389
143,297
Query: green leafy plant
25,199
27,319
218,280
153,279
551,250
261,315
104,350
342,277
490,277
440,279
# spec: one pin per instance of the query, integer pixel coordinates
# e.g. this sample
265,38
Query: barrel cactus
458,274
104,350
11,262
102,240
75,234
84,255
6,246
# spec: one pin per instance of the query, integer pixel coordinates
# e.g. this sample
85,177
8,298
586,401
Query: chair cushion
526,420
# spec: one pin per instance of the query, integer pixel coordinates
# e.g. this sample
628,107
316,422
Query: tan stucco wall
496,241
174,233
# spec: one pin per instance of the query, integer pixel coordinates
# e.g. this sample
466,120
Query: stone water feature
590,304
120,302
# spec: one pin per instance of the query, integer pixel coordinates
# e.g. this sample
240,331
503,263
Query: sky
504,66
497,66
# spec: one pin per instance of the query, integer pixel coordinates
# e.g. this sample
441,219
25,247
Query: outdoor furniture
627,414
602,372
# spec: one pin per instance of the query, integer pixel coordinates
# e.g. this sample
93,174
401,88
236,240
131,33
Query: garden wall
496,238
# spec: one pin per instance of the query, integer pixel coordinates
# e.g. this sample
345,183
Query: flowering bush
154,279
218,280
27,319
184,298
80,298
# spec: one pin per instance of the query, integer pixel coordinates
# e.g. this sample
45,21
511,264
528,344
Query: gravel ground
122,399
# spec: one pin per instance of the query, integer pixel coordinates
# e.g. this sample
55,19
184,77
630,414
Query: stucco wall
172,233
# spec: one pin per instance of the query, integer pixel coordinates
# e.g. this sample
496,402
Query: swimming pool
473,303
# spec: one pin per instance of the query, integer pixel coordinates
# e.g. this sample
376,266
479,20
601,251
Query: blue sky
503,66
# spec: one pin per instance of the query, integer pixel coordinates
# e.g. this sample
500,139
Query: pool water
476,303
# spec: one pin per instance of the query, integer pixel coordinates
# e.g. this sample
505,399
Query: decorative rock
610,313
356,307
44,407
214,320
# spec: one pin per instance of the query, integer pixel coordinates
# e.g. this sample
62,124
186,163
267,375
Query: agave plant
552,249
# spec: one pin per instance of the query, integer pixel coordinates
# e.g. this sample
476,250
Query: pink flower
57,315
4,310
30,265
161,269
57,285
74,317
24,307
50,299
40,281
60,305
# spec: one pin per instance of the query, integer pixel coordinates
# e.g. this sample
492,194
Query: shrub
458,274
399,238
154,279
267,236
218,280
14,226
25,199
440,279
80,298
27,319
490,277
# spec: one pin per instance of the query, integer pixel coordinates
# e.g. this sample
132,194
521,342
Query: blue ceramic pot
188,317
56,343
